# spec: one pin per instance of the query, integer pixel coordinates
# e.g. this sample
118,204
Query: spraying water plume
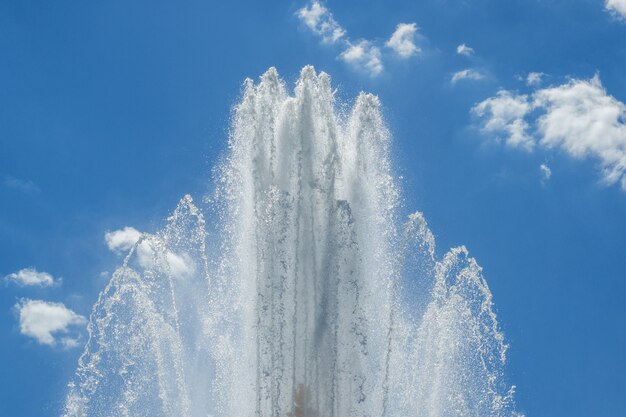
316,303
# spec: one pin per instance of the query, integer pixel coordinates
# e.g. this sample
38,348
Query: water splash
318,304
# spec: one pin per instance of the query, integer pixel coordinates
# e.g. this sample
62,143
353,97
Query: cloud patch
31,277
317,18
546,173
148,251
534,78
49,323
467,74
465,50
504,116
402,41
25,186
578,117
617,7
122,240
363,55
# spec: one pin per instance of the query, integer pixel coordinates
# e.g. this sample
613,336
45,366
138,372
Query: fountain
312,299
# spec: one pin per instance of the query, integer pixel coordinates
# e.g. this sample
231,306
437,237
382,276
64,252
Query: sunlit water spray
314,303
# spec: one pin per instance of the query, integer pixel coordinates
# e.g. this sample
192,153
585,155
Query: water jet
301,309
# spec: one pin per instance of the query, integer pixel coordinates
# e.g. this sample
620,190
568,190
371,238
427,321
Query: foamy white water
317,302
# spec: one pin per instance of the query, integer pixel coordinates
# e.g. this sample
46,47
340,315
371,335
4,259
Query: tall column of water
317,302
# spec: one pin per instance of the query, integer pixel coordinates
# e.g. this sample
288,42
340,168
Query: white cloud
466,74
402,41
26,186
365,56
583,120
534,78
49,323
122,240
463,49
546,172
32,277
617,7
319,19
504,114
578,117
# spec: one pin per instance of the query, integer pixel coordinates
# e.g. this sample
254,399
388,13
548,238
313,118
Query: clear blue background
116,109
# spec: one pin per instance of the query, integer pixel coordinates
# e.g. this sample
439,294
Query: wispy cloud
49,323
467,74
617,7
32,277
463,49
534,78
546,173
402,41
321,22
26,186
363,55
578,117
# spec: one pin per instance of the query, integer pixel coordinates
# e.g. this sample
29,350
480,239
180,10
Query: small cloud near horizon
49,323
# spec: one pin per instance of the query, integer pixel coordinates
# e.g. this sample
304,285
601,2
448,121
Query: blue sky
111,111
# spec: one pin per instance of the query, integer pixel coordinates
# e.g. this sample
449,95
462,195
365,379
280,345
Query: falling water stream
316,300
